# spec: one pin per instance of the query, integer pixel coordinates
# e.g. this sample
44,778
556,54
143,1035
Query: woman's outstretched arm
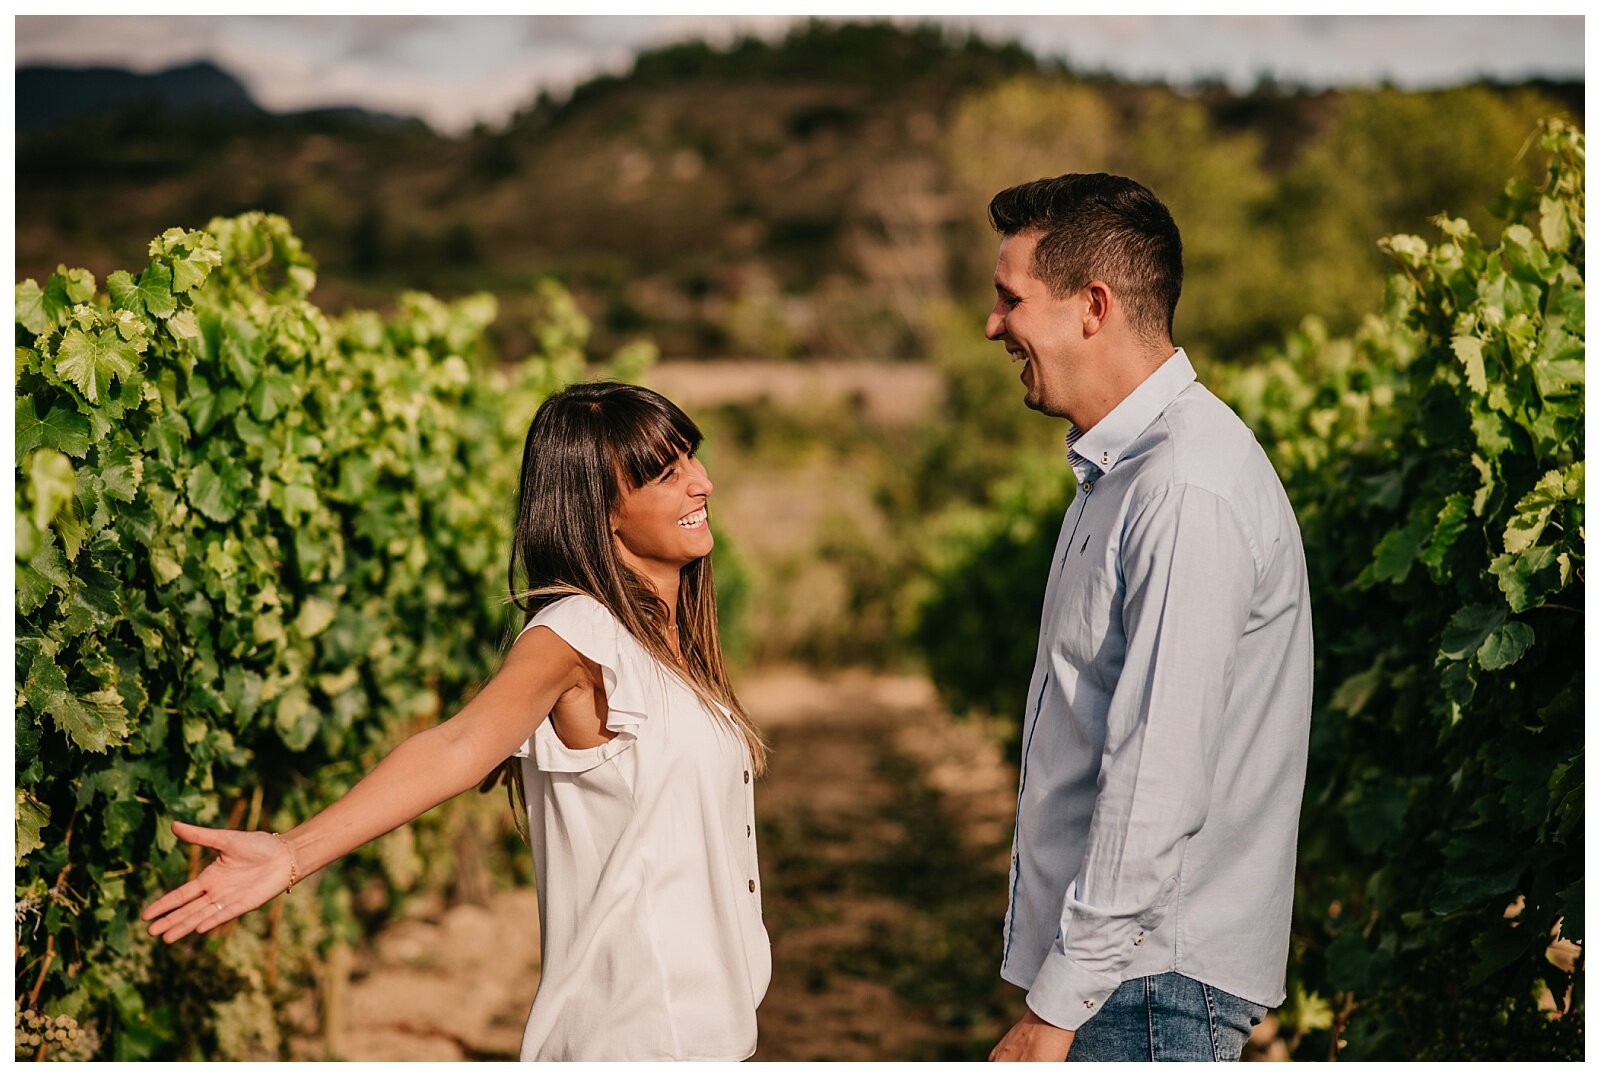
425,770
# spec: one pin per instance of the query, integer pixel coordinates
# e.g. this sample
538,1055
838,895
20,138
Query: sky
456,70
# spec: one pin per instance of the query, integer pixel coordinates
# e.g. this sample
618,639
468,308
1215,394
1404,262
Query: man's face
1042,332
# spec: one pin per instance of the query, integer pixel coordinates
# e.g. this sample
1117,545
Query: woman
639,783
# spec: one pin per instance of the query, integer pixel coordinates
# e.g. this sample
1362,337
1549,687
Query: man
1164,742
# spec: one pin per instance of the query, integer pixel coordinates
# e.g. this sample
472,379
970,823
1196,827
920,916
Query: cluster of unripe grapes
60,1036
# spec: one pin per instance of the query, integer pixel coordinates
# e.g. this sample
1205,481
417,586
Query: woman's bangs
654,442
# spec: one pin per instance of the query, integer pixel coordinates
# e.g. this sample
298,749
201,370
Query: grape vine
1436,463
256,547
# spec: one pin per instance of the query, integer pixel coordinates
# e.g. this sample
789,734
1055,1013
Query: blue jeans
1167,1018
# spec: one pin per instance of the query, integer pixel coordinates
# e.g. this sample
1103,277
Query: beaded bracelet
294,869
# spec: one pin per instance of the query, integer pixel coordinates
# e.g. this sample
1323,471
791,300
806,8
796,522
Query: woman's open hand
252,868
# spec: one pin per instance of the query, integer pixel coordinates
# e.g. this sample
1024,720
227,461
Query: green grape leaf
121,470
168,435
184,325
91,361
1492,431
1451,522
1469,628
1398,550
72,529
1505,645
52,482
1525,528
32,817
1478,866
165,566
1528,577
1458,683
298,502
241,691
1407,249
271,394
315,616
1355,691
1375,816
1558,376
296,720
28,537
204,409
77,285
123,291
32,313
1572,910
333,684
243,348
190,269
268,628
155,290
1496,948
213,494
1349,963
1555,224
94,722
1469,350
45,571
131,328
1533,510
257,435
65,429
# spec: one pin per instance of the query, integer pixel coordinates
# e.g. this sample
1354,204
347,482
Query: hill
51,97
817,196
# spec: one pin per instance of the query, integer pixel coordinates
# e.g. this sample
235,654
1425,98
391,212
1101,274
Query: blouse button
747,777
1088,487
752,886
747,830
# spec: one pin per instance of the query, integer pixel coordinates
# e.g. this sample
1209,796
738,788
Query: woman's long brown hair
583,444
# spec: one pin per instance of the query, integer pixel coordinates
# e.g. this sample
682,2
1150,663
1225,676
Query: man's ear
1102,302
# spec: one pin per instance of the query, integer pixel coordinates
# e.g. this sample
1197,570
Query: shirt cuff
1066,994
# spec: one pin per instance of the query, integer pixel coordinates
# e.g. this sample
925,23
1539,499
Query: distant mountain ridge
818,196
51,96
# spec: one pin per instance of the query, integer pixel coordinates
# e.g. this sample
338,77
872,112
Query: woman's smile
664,525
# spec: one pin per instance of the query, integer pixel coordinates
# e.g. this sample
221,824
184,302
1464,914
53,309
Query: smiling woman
663,525
614,723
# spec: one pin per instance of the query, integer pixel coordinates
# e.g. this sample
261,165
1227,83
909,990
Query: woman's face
663,525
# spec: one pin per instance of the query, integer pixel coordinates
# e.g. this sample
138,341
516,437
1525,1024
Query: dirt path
884,827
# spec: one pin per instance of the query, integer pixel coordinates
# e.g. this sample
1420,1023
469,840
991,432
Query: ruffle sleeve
630,678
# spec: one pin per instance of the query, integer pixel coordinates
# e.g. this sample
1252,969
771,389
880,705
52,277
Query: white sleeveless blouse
645,860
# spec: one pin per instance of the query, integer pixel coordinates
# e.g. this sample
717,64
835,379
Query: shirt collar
1102,445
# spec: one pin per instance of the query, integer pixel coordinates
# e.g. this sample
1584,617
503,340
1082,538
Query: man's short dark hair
1095,226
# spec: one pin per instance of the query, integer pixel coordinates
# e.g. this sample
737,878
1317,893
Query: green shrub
256,547
1436,462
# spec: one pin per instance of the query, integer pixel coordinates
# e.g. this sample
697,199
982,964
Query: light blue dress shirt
1164,743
